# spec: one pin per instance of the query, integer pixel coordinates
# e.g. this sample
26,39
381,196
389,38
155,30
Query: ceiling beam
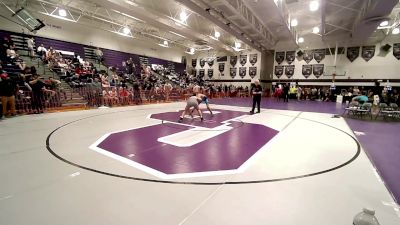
345,7
226,27
323,16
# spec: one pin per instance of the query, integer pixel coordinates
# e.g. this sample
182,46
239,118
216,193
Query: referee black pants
256,100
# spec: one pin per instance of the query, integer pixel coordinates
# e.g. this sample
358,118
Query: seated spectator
50,54
11,54
42,52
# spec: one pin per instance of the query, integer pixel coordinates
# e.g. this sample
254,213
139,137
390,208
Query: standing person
192,102
130,66
31,47
299,90
8,89
38,90
167,89
256,91
99,55
286,93
377,93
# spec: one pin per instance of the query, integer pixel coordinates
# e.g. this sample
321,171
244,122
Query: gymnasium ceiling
256,24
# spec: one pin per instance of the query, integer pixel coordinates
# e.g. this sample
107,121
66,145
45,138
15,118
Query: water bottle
366,217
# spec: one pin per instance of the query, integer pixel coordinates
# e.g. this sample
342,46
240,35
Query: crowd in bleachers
20,85
130,84
284,91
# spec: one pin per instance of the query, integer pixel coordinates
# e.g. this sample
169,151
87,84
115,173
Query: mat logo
169,150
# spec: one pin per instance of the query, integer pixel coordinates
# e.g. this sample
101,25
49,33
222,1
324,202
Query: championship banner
233,60
279,57
210,73
232,72
243,60
353,53
202,63
396,50
221,67
290,56
289,71
210,63
278,71
194,63
318,70
242,71
201,72
253,71
307,70
368,52
319,55
308,56
253,59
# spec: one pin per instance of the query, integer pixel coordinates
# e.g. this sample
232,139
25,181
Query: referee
256,91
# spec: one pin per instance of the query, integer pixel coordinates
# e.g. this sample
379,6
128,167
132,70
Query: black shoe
201,118
180,120
258,111
251,112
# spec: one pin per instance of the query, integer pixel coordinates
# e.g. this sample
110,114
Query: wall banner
232,72
278,71
318,70
289,71
368,52
279,57
290,56
307,70
253,59
233,60
353,53
253,71
319,55
242,71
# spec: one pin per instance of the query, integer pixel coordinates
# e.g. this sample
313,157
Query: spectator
31,47
167,90
286,88
99,55
42,51
38,90
8,89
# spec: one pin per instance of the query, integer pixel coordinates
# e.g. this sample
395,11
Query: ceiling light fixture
190,51
300,40
294,22
164,44
183,16
126,30
217,34
396,30
238,45
62,12
315,30
314,5
384,23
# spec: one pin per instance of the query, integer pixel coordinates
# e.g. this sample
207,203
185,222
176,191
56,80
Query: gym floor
137,165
